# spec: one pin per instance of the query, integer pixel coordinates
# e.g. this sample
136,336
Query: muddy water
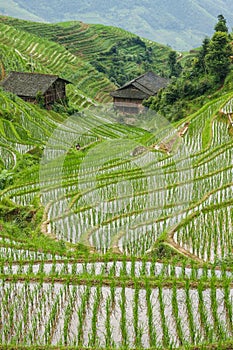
35,303
117,268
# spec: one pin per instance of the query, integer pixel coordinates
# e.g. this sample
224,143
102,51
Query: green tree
217,59
200,65
221,25
174,66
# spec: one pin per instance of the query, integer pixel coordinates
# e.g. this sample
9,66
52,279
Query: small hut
32,86
129,98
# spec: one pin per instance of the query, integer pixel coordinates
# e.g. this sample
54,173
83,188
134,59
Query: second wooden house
129,98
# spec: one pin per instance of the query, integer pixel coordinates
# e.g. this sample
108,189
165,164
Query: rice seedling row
44,313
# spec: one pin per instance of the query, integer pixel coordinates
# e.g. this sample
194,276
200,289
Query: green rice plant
82,313
68,315
112,271
123,271
219,329
137,330
93,336
175,309
123,320
193,331
151,329
108,335
208,330
166,337
228,303
112,293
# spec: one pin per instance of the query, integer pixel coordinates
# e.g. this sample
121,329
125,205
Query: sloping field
108,49
23,51
158,204
125,243
112,197
180,24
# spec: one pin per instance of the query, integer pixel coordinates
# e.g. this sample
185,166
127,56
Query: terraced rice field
96,49
118,303
116,200
56,313
25,51
145,223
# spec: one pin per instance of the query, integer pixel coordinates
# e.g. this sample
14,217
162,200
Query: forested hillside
181,24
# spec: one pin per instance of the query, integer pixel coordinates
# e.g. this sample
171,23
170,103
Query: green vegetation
113,52
22,51
126,242
201,76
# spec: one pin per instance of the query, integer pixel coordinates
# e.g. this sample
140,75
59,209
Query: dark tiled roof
28,84
147,85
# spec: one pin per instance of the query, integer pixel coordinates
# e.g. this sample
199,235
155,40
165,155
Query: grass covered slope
114,52
23,51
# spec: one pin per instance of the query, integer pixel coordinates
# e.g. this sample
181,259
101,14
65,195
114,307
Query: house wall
55,93
129,106
28,99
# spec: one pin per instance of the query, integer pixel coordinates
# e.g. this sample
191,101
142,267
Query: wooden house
32,86
129,98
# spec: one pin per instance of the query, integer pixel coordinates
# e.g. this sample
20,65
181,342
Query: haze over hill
181,24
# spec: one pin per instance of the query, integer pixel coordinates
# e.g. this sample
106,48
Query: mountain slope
106,50
21,51
12,8
181,24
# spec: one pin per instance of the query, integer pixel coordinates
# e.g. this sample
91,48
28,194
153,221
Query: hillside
180,24
104,234
24,52
113,52
127,242
12,8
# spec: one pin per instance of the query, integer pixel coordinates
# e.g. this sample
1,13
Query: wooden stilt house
31,86
129,98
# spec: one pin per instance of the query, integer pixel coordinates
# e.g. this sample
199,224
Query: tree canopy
174,66
218,56
221,25
202,74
